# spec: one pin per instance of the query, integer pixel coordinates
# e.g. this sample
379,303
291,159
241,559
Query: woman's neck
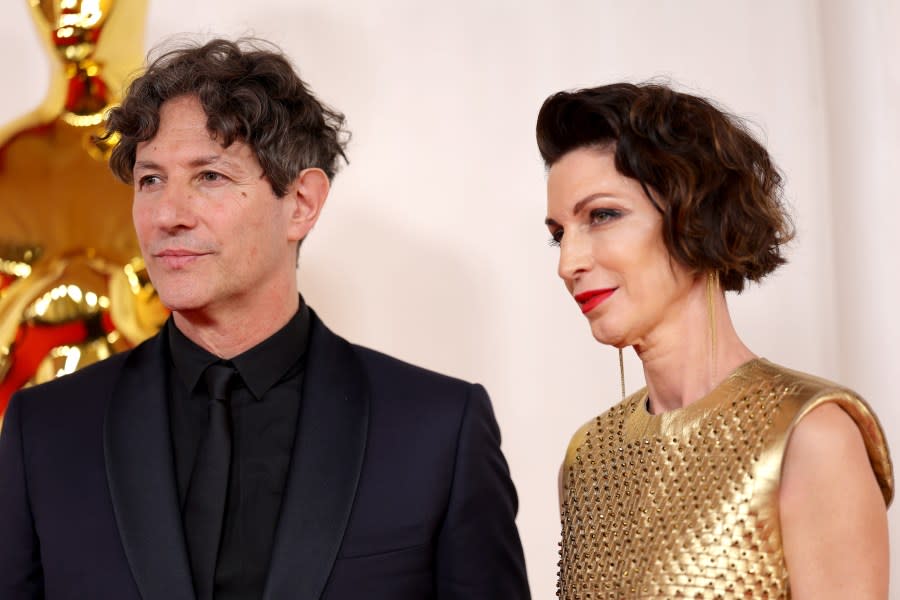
682,362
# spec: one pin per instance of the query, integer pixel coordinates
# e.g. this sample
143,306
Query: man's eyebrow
148,165
200,161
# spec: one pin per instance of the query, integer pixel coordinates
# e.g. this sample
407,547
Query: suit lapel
139,466
325,467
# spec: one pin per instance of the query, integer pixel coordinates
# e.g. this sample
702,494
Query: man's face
216,239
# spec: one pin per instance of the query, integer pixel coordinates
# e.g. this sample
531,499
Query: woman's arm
833,517
559,486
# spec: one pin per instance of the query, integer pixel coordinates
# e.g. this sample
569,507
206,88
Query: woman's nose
574,256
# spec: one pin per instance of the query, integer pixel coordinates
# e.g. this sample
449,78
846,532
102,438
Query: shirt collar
260,367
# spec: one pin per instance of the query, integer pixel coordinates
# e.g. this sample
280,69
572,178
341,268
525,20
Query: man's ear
304,201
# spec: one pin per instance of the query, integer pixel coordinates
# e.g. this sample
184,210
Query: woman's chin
609,338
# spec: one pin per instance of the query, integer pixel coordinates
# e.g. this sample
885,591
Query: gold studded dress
685,504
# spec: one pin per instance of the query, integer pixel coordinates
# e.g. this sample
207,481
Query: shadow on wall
401,293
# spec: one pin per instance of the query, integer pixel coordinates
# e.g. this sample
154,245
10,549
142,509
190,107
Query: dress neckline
677,422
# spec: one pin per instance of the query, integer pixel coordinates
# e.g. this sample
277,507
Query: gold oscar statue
73,288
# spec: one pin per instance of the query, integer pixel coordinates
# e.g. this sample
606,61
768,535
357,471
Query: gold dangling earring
712,286
622,372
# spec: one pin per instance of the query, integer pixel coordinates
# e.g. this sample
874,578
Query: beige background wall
432,246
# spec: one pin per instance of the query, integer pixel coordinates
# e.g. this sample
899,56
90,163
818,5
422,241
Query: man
247,451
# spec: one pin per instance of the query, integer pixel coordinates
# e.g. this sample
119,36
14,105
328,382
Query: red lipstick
589,300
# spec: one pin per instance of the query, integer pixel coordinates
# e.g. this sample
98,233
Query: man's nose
176,207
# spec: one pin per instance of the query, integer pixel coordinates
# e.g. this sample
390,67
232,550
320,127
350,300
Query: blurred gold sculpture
73,289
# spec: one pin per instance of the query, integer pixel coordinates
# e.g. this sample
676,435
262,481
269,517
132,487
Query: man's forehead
183,137
181,127
195,146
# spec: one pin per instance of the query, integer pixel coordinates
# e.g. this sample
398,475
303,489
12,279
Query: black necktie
204,506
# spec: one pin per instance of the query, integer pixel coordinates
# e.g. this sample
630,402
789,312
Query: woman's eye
602,215
555,237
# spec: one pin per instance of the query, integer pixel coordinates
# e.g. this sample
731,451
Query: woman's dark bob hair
717,188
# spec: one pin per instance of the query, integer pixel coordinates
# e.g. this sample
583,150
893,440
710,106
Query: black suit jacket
397,488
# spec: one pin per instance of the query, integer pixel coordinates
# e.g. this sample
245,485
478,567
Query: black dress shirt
265,403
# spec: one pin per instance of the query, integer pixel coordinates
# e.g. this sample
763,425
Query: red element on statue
33,343
86,94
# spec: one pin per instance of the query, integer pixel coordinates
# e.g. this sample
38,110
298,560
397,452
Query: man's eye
602,215
211,176
147,180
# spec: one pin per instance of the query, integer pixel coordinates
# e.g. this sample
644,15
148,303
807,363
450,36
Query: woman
727,476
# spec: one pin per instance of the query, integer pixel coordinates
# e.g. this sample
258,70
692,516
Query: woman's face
611,252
